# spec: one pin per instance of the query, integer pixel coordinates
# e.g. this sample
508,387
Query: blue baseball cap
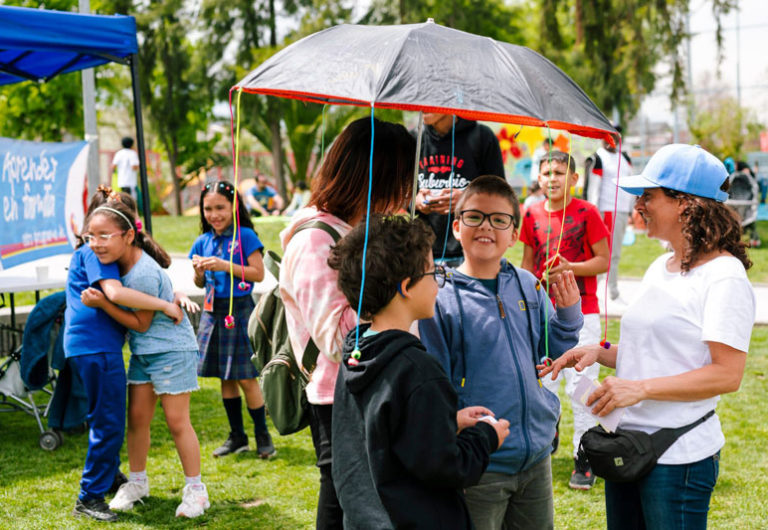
680,167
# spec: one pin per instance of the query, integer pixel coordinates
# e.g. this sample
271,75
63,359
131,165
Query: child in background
163,361
226,352
489,333
583,250
93,343
398,461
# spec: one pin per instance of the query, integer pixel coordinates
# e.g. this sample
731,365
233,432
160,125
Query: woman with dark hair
316,310
683,342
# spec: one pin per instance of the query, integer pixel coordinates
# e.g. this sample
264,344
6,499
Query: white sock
196,481
138,476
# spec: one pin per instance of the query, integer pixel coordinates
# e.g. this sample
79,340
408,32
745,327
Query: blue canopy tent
37,45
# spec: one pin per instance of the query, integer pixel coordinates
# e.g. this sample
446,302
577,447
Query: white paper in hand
583,390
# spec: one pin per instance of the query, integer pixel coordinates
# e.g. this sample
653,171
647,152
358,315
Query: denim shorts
170,373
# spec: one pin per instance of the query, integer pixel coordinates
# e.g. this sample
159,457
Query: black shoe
264,445
556,440
120,479
95,509
582,477
234,444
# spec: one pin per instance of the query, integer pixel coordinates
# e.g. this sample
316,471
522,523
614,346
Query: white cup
42,273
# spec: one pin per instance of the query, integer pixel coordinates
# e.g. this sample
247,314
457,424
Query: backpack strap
309,357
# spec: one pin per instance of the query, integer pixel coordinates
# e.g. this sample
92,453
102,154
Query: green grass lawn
38,489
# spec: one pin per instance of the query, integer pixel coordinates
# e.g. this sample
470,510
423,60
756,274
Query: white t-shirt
602,188
125,160
663,334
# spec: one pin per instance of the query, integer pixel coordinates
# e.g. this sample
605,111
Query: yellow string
234,206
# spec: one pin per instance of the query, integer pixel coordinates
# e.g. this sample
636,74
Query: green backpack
282,379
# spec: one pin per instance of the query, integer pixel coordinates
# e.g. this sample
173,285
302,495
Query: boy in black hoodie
402,451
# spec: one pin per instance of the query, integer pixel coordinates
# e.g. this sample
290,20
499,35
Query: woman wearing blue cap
684,341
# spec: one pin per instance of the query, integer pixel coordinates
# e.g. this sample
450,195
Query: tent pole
140,143
419,132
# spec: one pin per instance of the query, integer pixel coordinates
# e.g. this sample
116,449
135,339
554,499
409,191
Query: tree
172,88
722,127
612,48
43,111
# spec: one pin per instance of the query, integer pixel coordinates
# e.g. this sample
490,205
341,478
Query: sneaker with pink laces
194,501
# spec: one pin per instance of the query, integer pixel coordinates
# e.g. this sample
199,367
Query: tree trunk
171,149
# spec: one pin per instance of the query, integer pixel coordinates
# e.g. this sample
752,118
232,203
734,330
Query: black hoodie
476,152
397,460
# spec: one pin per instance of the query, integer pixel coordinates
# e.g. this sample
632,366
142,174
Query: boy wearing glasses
488,333
401,452
568,234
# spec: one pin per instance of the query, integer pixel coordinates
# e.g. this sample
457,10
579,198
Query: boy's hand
174,312
91,297
558,265
501,427
444,203
467,417
185,303
565,290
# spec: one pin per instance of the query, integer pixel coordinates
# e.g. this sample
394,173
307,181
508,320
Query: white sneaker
128,494
194,501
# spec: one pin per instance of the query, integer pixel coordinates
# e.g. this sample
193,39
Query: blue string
365,241
450,185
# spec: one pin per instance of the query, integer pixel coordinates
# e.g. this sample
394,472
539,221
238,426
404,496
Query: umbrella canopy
431,68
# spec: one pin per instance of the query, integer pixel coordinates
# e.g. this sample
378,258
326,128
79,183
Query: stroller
744,197
30,371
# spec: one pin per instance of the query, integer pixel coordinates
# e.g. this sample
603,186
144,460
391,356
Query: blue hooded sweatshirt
489,343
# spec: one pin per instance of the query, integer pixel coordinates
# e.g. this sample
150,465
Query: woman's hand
578,358
467,417
565,290
615,393
91,297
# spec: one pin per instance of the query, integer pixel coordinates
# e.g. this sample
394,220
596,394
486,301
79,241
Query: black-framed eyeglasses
220,186
438,273
497,220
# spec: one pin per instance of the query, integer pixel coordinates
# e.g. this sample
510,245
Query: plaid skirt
226,353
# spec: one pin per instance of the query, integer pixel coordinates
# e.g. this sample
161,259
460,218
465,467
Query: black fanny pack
627,455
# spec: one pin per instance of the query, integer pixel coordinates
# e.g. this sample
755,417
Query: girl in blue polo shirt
164,355
93,344
225,352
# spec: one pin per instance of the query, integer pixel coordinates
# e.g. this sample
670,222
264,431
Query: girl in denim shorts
164,355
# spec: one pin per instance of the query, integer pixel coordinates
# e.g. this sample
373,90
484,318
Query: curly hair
709,225
398,248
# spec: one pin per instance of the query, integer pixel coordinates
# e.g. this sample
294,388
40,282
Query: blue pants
669,497
103,375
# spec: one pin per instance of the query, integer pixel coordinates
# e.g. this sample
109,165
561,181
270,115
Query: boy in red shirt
582,247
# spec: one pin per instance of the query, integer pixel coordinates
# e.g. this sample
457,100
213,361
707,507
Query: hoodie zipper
521,382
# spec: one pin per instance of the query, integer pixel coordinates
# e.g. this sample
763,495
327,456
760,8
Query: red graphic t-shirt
583,228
